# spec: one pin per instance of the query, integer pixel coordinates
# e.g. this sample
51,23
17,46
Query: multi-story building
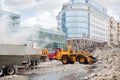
11,21
113,31
84,20
1,3
45,38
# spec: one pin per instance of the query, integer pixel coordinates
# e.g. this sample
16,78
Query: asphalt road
55,70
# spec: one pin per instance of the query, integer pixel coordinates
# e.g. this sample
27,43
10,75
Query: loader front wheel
82,60
65,59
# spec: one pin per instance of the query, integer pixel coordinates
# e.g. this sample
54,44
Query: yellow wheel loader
71,56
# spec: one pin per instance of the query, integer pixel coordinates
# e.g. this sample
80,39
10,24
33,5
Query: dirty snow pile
108,63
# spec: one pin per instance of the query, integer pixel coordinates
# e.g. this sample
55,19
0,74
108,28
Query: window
77,25
76,13
80,7
78,1
77,19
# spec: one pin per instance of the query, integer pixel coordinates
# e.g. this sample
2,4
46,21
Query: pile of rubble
108,63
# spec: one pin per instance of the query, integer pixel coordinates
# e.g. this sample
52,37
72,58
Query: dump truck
12,56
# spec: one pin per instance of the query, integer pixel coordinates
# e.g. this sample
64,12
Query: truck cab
52,53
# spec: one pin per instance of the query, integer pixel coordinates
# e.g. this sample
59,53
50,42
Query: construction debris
109,63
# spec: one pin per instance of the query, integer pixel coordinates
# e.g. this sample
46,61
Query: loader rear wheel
65,59
9,70
1,72
82,60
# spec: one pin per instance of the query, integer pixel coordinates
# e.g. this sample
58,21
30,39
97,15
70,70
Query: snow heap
109,61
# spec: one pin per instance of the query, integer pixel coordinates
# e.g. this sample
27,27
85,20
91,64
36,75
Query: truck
52,53
14,55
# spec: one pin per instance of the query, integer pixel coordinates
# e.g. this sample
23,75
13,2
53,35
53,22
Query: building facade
84,20
46,38
11,20
114,31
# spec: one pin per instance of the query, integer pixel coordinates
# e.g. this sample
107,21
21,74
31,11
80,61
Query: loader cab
65,49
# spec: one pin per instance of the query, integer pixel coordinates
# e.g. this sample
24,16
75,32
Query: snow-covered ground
55,70
106,68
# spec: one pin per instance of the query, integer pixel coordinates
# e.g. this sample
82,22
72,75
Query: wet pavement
57,71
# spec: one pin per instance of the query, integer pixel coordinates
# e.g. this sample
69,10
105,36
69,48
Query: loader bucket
93,59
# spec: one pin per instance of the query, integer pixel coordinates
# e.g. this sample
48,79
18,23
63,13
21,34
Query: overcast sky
44,12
